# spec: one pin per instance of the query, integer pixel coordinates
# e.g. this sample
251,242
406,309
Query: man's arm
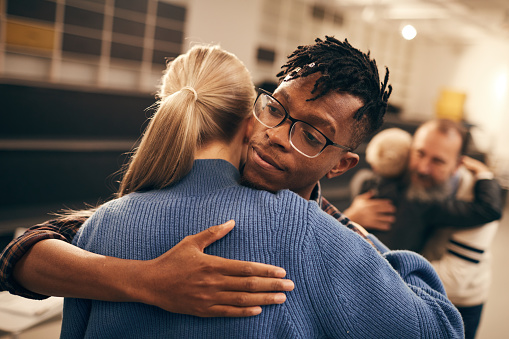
486,205
183,280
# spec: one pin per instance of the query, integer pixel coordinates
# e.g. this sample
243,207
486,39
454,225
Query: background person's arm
486,206
183,280
372,214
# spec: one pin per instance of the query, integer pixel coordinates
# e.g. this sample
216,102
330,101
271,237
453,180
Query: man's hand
474,166
185,280
373,214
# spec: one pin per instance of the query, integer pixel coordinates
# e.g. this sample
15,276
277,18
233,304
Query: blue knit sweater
343,287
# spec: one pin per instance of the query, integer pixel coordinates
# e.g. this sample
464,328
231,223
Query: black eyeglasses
304,138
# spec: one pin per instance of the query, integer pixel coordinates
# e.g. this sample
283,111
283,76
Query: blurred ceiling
445,21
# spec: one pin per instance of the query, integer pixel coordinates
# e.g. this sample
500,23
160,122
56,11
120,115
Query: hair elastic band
191,90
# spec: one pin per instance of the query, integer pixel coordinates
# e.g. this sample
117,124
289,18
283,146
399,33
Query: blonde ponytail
174,125
205,95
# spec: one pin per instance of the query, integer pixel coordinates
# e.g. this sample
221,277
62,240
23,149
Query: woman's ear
348,160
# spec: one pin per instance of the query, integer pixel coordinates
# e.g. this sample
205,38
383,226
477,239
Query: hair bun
192,90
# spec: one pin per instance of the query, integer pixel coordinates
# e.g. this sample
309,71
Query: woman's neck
219,150
230,151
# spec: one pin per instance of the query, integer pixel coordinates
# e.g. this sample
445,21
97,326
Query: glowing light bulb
409,32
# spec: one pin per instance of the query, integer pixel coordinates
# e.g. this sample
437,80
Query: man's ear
249,129
347,161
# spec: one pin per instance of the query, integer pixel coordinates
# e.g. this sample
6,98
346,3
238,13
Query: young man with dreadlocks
330,98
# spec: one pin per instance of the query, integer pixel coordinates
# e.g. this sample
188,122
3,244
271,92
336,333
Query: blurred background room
78,77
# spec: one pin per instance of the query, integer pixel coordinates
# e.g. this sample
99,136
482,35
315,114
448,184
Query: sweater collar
208,175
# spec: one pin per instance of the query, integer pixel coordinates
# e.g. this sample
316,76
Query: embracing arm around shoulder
183,280
485,207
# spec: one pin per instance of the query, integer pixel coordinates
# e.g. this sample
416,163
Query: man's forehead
431,132
443,145
302,84
302,89
317,112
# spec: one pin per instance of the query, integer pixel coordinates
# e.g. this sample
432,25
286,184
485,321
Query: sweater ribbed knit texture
343,287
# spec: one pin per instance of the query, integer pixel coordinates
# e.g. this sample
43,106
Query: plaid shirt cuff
13,253
53,229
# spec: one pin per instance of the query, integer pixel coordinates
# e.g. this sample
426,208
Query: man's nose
280,135
423,166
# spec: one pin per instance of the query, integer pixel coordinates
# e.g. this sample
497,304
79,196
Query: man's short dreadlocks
343,68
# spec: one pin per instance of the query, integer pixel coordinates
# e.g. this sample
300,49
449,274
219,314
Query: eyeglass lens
268,111
304,137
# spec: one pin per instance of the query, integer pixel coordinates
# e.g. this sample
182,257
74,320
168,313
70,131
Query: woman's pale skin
183,280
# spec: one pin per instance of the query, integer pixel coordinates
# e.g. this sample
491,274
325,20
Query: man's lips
265,161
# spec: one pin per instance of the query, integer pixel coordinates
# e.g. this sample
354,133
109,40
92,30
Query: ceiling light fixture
409,32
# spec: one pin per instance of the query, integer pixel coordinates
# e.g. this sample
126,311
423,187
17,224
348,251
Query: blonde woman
185,174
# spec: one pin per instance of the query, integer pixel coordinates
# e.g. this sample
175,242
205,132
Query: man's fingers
241,304
380,222
474,166
367,195
386,218
211,234
466,160
231,311
383,205
255,284
247,299
384,209
230,267
383,222
381,226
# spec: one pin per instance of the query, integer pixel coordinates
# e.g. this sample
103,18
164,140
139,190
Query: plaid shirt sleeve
62,229
334,212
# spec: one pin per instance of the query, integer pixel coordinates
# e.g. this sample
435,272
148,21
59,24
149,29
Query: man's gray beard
432,194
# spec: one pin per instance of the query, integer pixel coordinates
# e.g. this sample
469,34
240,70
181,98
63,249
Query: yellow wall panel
450,105
33,35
